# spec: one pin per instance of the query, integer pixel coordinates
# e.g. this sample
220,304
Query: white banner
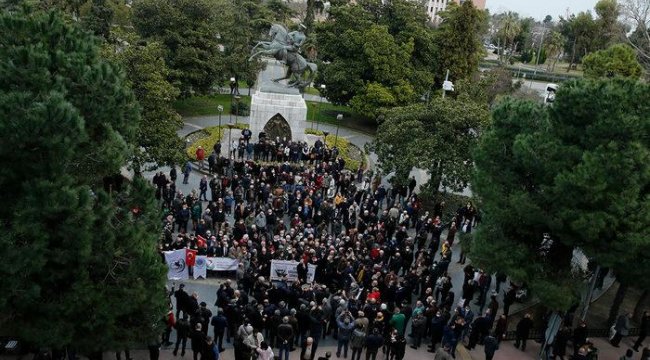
221,264
177,270
200,267
287,270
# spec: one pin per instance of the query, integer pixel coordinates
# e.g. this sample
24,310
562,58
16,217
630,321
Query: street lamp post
339,117
232,94
230,126
220,109
322,89
237,97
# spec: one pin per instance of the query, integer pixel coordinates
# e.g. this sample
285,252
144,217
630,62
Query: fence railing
592,333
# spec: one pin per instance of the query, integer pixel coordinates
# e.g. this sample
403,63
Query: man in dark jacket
437,329
490,346
374,342
285,338
182,332
523,331
643,330
198,341
219,323
182,299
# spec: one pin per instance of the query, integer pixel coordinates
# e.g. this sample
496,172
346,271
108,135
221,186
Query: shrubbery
213,136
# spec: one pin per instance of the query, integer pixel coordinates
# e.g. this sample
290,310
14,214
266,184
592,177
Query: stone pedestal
276,109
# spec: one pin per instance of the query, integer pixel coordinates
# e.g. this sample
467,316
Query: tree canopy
80,264
437,137
577,170
147,75
375,54
617,60
187,31
458,41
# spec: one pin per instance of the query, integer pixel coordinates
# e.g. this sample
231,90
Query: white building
436,6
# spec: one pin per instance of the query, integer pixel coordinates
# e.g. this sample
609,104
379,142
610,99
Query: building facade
436,6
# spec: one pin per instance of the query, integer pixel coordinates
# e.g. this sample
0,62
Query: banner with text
221,264
287,270
176,267
200,267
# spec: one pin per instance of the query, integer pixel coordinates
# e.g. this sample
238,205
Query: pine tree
80,266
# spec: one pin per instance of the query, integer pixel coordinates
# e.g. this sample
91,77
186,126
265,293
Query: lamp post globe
220,109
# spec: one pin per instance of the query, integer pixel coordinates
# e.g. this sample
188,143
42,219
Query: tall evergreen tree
147,75
577,170
458,40
80,265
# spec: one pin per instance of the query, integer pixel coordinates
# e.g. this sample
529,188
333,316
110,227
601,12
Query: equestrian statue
285,47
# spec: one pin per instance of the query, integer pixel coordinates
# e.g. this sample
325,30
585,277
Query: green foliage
207,105
185,28
577,170
240,25
100,19
147,75
240,108
458,41
437,137
640,40
487,86
213,136
375,54
617,60
80,267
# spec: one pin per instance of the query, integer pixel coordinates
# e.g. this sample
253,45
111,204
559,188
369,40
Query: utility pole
444,91
539,52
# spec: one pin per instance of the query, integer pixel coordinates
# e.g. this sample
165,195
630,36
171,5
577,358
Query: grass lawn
206,105
312,91
326,113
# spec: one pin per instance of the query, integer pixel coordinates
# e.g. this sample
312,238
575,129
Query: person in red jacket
200,156
170,321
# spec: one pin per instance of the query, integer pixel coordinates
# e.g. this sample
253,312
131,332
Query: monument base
278,115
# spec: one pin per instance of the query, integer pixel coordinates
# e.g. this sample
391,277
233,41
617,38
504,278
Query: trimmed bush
240,108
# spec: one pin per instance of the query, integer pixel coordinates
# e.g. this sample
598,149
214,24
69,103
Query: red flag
190,257
201,241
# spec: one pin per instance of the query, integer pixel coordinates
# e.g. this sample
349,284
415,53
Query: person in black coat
561,340
579,337
643,330
374,342
523,331
198,341
182,333
490,346
182,300
219,323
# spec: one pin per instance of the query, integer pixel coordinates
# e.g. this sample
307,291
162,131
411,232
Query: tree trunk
573,55
616,304
638,308
436,178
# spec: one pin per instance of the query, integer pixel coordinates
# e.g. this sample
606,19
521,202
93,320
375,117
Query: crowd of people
381,262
